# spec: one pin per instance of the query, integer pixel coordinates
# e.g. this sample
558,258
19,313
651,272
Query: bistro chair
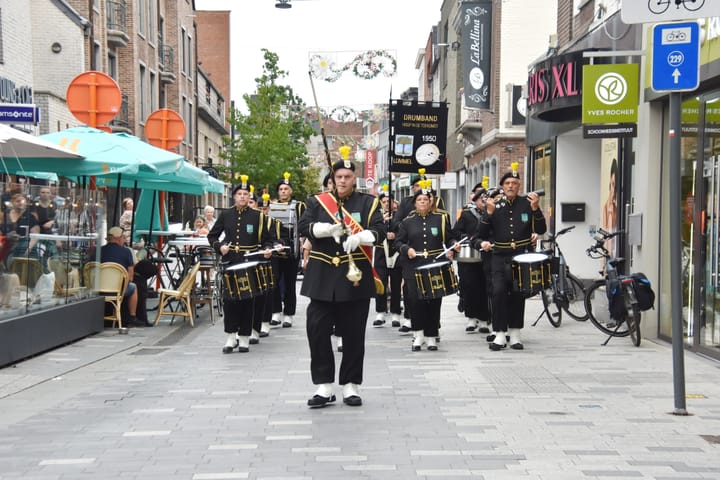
112,282
183,295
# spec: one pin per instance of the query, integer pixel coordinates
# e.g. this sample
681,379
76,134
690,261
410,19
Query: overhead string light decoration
366,65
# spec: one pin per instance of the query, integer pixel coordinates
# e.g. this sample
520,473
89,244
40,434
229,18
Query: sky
340,29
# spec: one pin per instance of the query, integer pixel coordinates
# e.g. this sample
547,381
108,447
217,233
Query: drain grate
711,438
149,351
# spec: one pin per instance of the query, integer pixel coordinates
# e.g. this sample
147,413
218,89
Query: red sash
330,204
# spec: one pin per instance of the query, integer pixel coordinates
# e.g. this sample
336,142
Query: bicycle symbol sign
675,56
651,11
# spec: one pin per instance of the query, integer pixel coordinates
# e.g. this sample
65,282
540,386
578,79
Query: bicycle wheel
575,295
552,311
693,5
633,324
596,304
658,6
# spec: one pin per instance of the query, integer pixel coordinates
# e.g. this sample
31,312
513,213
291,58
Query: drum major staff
244,231
421,237
509,223
333,297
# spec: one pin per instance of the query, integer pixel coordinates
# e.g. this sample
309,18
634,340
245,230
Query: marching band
359,248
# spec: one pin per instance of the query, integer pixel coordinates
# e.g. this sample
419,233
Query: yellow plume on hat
252,189
345,151
237,175
514,166
286,176
265,197
384,187
421,172
485,182
244,179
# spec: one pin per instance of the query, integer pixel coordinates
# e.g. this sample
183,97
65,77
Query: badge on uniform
356,216
249,228
434,231
524,217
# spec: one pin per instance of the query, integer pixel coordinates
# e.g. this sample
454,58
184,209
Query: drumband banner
475,42
418,134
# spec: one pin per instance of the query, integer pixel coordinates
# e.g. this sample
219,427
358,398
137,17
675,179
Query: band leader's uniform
333,298
427,235
509,228
245,230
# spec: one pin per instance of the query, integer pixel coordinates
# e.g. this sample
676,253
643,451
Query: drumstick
462,240
262,252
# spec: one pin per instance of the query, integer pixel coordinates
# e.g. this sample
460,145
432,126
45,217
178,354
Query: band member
385,261
473,292
421,238
285,300
273,226
509,224
341,226
244,230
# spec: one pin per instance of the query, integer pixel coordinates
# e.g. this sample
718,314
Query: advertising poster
475,42
609,176
418,136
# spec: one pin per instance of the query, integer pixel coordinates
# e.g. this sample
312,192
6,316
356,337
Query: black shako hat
284,181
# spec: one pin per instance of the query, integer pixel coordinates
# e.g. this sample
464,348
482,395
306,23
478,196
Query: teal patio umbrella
108,153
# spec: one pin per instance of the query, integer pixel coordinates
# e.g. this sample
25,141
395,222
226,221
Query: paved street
165,403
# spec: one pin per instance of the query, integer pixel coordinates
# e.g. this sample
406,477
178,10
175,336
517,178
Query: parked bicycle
611,303
566,291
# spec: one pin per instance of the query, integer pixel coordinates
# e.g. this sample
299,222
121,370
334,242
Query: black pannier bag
616,300
643,291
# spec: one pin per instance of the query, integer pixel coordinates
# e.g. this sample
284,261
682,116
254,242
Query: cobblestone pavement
165,403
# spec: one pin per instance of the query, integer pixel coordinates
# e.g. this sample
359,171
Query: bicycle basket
643,291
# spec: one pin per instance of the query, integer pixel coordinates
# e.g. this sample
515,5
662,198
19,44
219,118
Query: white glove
365,237
325,230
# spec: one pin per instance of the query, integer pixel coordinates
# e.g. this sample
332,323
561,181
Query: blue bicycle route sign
675,57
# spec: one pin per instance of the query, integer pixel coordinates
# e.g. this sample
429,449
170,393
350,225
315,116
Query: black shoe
318,401
286,324
229,349
461,305
490,338
495,347
404,329
243,349
470,329
396,323
483,330
353,401
264,334
340,348
275,323
432,348
517,346
254,341
378,323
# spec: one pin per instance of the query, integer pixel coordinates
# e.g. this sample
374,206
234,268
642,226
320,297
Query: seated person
115,251
200,227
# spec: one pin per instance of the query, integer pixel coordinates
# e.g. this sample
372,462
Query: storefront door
704,325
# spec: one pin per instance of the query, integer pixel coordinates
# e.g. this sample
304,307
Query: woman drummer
421,237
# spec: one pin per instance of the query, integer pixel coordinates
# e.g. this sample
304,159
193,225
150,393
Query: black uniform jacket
511,225
428,235
246,229
406,207
327,266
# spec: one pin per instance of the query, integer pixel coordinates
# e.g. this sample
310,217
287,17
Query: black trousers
285,299
394,275
352,319
424,314
508,306
238,316
473,290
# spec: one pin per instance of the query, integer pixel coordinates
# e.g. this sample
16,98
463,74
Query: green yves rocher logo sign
610,93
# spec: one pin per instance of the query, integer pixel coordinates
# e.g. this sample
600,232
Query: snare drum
266,272
531,273
435,280
468,254
244,281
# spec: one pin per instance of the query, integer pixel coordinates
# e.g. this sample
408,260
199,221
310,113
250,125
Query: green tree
271,138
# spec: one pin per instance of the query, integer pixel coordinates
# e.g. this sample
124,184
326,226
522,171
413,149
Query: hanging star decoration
366,65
